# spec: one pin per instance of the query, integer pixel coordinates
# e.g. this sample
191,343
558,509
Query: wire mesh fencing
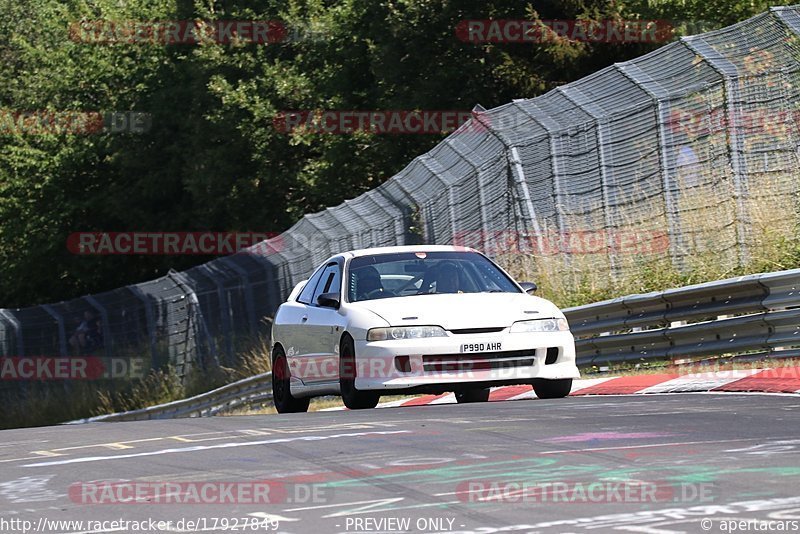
688,152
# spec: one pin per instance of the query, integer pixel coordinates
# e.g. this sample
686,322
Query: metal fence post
787,16
5,348
106,329
17,331
180,280
730,75
364,225
62,332
551,127
271,270
327,250
659,94
424,160
515,163
481,194
149,315
416,205
400,231
577,97
224,310
248,292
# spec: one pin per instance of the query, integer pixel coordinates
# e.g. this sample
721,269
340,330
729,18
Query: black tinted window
329,282
419,273
308,290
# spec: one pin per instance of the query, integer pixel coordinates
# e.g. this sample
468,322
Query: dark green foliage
212,159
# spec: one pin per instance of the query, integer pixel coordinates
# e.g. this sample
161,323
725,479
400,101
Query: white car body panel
310,336
465,310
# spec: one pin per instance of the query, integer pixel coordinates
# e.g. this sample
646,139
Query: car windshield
424,273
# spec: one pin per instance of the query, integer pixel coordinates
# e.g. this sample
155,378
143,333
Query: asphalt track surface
579,464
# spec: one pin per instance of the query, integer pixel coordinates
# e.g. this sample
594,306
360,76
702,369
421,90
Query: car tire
552,389
472,395
281,393
353,399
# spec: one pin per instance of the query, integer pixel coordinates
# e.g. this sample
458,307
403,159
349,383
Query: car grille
477,361
478,330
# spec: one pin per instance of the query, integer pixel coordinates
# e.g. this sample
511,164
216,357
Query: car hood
463,310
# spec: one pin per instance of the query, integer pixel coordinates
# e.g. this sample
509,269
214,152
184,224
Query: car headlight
539,325
405,332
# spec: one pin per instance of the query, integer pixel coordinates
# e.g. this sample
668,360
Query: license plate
481,347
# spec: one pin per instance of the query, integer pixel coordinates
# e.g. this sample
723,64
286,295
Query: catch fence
685,154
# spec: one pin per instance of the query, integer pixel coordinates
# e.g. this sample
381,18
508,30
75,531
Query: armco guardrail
733,316
759,312
236,395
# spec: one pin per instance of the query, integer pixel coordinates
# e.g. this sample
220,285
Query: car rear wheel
472,395
281,394
352,398
552,389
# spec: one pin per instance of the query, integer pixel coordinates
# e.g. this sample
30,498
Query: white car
416,319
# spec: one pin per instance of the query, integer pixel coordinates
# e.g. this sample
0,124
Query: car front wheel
352,398
552,389
281,394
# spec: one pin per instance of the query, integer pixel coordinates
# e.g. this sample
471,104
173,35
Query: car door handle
304,318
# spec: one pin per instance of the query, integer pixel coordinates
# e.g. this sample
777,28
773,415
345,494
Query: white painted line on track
388,500
216,446
645,446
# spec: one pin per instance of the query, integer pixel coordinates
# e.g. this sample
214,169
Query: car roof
404,248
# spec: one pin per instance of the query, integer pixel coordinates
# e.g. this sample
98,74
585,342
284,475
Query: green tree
213,159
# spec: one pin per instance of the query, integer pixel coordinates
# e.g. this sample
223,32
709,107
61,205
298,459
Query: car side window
308,291
329,282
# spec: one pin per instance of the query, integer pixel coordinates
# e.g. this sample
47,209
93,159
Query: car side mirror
328,300
529,287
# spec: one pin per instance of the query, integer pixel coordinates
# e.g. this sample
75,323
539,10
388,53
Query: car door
324,325
290,327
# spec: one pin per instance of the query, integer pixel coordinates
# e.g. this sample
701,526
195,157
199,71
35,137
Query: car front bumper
500,359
